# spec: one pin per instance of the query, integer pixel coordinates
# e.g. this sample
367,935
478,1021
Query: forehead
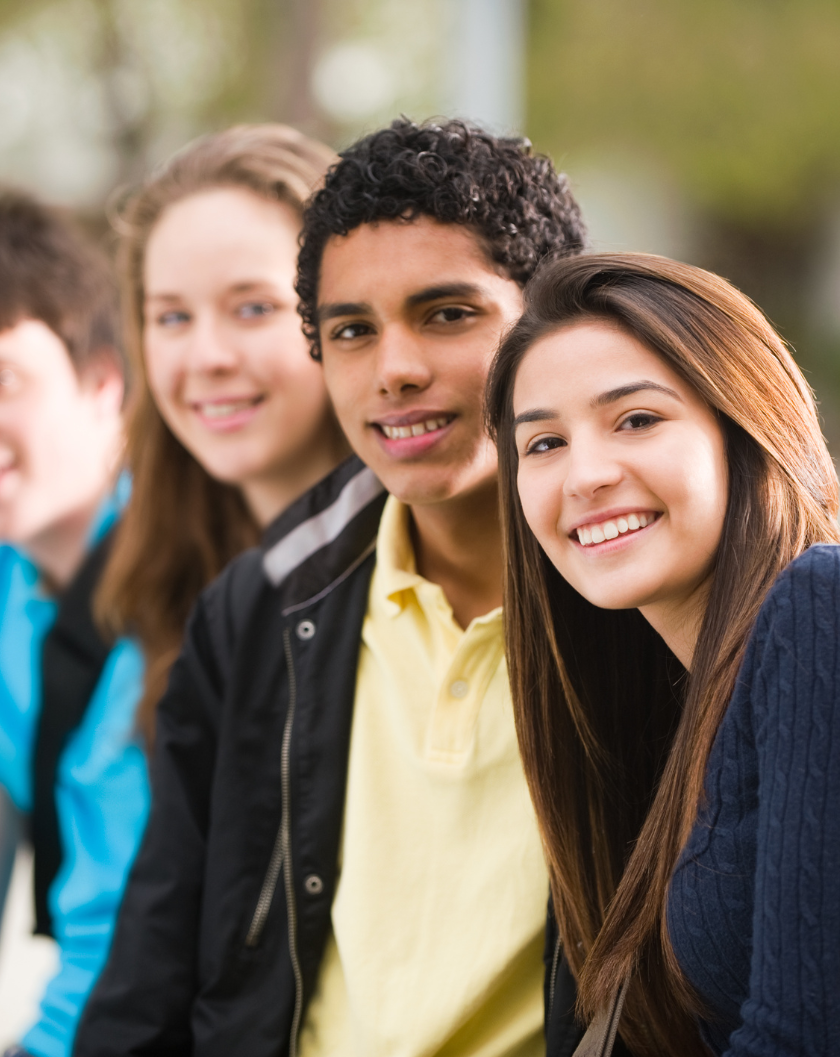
586,358
219,230
32,344
397,257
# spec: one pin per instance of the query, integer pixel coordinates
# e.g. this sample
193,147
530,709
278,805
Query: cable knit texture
754,905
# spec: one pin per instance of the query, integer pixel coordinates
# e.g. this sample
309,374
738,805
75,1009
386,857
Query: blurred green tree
737,102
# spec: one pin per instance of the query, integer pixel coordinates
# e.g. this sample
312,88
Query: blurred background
708,130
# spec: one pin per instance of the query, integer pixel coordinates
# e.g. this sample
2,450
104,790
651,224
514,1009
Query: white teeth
223,410
416,430
609,530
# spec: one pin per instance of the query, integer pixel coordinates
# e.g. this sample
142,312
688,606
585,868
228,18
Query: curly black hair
521,209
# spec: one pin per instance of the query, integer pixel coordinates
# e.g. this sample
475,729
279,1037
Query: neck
679,622
458,544
268,496
59,550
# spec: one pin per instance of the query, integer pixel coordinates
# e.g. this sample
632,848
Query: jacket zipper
553,981
285,834
281,855
266,892
275,863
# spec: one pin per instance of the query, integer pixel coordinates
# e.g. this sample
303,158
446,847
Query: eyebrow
344,308
437,293
538,414
161,297
543,414
422,297
245,286
621,391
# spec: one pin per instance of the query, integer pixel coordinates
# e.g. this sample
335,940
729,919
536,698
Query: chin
608,596
232,476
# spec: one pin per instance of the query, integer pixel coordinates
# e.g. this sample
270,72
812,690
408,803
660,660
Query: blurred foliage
136,78
730,104
736,103
737,98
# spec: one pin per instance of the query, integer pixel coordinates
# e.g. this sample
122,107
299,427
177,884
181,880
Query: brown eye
639,421
452,314
349,331
545,444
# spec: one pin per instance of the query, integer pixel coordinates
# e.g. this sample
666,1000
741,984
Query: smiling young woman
662,475
229,419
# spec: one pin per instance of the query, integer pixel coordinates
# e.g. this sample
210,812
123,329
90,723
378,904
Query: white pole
487,63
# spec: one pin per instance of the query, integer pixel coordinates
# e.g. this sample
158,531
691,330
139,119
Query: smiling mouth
224,409
416,429
590,535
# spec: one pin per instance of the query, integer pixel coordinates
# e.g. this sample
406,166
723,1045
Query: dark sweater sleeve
142,1002
793,1005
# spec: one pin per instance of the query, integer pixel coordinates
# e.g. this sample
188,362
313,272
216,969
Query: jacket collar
324,534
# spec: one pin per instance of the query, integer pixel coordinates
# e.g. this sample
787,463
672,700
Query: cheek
160,371
703,486
346,389
293,372
541,507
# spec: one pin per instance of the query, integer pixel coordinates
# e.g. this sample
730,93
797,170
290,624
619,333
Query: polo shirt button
305,630
313,885
460,688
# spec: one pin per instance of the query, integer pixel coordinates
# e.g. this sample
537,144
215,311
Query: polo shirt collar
396,568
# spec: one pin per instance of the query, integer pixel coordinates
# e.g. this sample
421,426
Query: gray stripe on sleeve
315,533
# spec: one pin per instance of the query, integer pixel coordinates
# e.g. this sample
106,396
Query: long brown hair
182,526
614,734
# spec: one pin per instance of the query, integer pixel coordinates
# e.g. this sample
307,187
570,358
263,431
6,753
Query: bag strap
601,1034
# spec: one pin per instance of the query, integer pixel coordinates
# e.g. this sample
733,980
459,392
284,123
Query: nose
209,348
590,467
400,364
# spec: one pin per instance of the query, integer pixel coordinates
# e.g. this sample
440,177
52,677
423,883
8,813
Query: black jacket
227,911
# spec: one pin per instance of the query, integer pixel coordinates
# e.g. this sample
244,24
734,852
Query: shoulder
792,659
224,607
236,588
15,564
806,595
820,562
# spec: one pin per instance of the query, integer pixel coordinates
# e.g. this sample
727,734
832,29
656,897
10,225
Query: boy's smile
410,313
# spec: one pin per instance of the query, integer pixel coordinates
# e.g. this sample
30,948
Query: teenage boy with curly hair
342,857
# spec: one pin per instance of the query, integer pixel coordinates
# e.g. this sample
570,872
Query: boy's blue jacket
101,787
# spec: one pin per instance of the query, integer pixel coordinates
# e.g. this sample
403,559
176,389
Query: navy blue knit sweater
754,905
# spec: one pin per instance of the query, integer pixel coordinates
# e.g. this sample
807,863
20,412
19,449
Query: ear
103,380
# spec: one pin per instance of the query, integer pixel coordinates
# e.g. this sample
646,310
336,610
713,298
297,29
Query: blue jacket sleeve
793,1006
102,800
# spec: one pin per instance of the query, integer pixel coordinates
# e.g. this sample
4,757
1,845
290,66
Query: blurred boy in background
69,756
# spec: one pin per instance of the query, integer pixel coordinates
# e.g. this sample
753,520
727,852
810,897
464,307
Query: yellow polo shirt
439,915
